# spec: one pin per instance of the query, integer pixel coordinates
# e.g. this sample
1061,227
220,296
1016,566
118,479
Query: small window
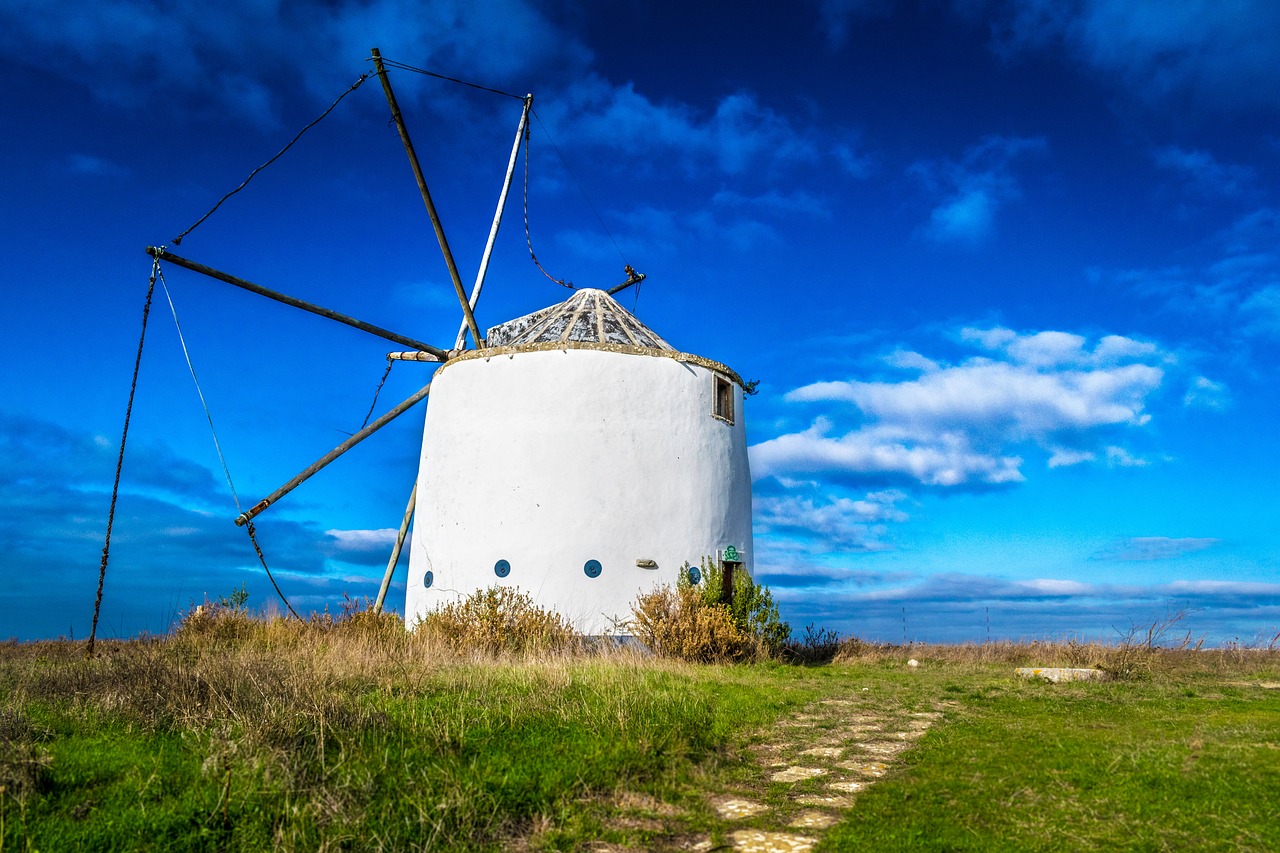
723,399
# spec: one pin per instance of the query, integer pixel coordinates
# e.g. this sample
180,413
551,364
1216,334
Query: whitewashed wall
549,459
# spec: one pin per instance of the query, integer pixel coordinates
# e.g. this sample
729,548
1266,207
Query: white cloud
908,360
228,59
1062,457
1220,53
962,424
967,194
1142,548
1118,457
737,135
1114,348
1237,287
365,547
1051,586
837,15
873,453
1009,402
348,540
841,522
1203,174
1204,393
89,164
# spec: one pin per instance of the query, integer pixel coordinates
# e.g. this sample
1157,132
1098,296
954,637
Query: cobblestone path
810,770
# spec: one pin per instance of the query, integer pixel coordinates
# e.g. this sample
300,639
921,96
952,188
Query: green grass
305,739
147,748
1174,763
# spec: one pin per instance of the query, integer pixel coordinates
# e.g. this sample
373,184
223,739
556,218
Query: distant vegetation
493,727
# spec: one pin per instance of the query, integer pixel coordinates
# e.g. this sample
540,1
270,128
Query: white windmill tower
580,458
571,453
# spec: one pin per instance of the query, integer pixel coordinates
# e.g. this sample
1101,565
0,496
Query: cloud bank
964,425
960,607
173,542
1215,55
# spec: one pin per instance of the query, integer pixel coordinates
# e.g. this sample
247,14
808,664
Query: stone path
810,769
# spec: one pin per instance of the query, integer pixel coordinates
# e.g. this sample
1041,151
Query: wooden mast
426,197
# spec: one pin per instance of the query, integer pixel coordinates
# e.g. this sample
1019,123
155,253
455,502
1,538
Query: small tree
751,607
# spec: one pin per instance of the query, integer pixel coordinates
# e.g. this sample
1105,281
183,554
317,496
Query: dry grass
270,733
283,734
1122,660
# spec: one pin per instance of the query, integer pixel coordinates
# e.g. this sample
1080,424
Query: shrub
498,619
751,608
678,623
216,622
693,622
818,645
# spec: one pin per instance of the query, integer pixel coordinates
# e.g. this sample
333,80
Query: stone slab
1058,674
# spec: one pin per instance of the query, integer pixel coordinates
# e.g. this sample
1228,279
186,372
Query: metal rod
395,552
497,216
633,277
245,517
426,197
162,255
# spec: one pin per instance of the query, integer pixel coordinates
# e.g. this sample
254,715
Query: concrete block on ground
1061,673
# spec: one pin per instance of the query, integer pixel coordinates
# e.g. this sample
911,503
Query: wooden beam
161,255
426,198
395,552
314,468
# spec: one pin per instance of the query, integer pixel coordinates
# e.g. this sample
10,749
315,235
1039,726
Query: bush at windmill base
693,622
752,608
678,623
498,619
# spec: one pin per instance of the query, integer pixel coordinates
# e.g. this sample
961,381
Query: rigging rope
576,183
527,239
222,459
124,437
391,63
177,241
226,472
378,391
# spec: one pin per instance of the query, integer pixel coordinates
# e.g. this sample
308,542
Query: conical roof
589,316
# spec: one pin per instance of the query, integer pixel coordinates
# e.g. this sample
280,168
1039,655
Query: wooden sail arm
315,467
160,254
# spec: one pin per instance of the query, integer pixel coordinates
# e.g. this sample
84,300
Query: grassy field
360,737
1187,759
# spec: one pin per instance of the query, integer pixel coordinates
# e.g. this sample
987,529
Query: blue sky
1007,273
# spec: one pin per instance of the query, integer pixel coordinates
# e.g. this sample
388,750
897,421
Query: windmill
571,453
